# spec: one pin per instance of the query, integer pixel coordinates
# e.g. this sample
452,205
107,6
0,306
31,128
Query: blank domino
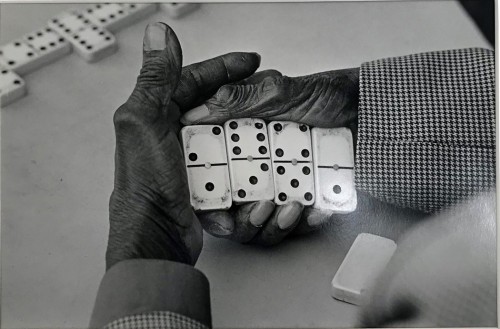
12,87
364,262
333,158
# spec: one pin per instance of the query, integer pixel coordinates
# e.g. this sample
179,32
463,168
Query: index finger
199,81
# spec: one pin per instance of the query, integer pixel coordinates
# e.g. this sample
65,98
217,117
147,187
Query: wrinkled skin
150,212
327,100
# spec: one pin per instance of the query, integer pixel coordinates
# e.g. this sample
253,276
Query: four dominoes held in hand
285,162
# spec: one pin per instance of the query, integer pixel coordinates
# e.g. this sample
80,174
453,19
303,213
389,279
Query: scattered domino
249,160
34,50
333,158
115,16
12,87
290,145
176,9
90,41
364,262
207,168
94,43
68,23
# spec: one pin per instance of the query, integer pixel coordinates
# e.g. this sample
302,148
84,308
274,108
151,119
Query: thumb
161,67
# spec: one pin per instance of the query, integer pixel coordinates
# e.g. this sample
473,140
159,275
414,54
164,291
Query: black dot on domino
30,54
259,125
282,196
308,196
103,20
306,170
17,44
303,128
337,189
216,130
193,156
242,193
294,183
236,150
17,82
235,137
39,34
253,180
209,186
89,47
278,127
262,149
264,167
233,125
305,153
52,44
279,152
280,170
42,48
30,38
11,62
111,16
261,137
5,71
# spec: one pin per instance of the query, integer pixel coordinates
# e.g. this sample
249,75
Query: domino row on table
246,161
86,31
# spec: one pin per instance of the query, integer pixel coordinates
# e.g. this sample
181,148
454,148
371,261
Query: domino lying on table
243,162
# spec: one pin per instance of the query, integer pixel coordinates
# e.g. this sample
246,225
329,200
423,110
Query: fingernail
155,37
258,56
195,115
317,217
288,215
260,213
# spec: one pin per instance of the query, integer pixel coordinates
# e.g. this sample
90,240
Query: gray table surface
58,144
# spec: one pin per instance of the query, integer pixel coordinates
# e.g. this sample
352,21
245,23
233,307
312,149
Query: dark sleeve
427,128
148,293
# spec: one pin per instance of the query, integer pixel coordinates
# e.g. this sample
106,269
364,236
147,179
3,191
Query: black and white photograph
248,164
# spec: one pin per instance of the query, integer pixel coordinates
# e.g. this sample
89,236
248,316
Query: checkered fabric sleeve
155,320
427,128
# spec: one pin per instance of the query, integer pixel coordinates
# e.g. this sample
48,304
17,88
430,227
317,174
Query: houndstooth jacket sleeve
426,135
156,320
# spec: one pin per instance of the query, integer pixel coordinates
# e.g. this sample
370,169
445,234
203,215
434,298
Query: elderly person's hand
150,212
328,100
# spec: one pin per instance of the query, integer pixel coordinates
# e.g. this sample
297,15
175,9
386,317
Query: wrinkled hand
327,100
150,212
